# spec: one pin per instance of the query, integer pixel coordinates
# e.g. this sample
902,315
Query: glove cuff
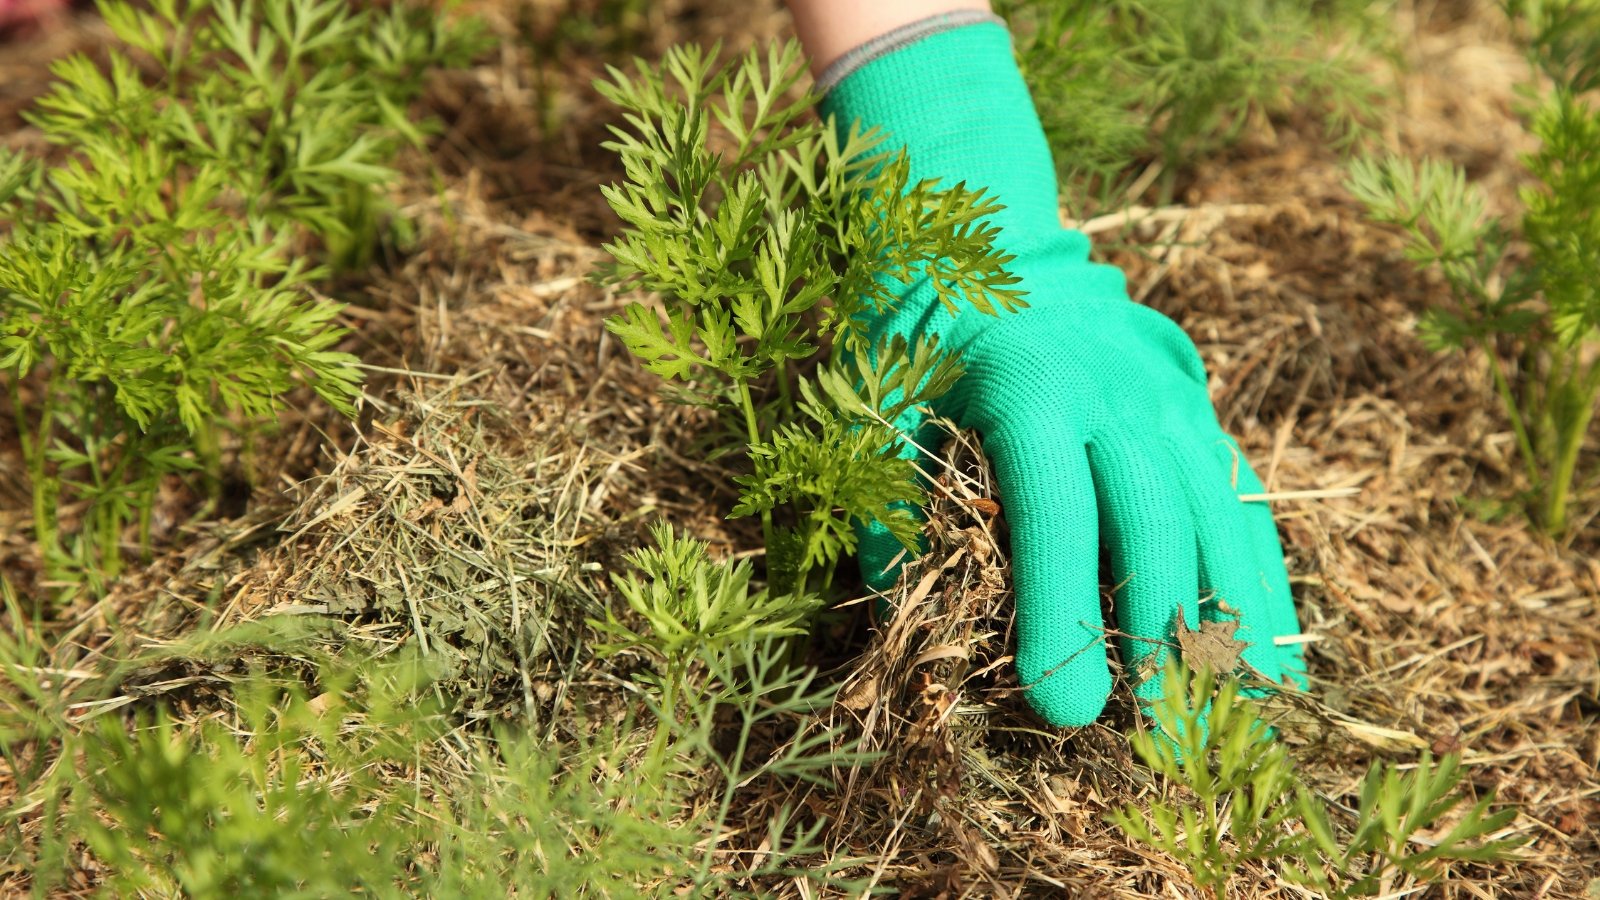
903,36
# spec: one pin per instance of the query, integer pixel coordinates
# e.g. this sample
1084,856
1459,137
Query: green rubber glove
1092,408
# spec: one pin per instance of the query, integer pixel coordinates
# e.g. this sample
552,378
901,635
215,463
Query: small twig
1165,214
1311,494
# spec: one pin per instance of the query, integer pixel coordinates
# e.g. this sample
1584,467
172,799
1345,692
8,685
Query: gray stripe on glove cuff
887,43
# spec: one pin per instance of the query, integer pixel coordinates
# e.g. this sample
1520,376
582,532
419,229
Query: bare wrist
829,29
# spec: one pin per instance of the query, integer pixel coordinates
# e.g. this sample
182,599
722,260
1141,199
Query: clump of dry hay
428,532
975,796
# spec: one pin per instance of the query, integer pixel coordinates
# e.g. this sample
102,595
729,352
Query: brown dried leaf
984,505
433,505
322,702
1212,646
860,695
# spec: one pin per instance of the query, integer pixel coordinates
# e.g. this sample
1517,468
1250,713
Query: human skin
830,28
16,14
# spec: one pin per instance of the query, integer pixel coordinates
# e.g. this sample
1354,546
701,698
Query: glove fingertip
1072,695
1077,708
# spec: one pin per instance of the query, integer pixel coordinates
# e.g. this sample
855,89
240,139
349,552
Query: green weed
1545,308
154,292
1117,83
367,787
719,653
449,727
1247,804
368,784
693,609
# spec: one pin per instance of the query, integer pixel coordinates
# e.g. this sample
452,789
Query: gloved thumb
881,554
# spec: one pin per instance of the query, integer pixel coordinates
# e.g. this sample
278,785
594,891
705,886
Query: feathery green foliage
209,815
1562,38
443,767
567,821
294,796
1547,309
773,703
372,786
692,604
719,654
153,289
295,108
1177,79
1248,805
1212,742
768,240
1394,814
692,608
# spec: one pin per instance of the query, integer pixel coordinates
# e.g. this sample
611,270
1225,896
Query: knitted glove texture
1093,409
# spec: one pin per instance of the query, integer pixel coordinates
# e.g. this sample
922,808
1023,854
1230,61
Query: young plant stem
208,449
1569,442
676,672
731,776
111,514
102,516
785,395
1524,443
753,433
146,503
34,444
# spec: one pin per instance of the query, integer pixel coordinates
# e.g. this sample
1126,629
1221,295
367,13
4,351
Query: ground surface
1443,628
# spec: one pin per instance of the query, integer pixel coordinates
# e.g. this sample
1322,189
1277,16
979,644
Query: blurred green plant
1247,804
609,29
1175,80
1545,308
558,33
776,738
369,784
1562,39
768,239
286,794
1212,741
154,291
213,814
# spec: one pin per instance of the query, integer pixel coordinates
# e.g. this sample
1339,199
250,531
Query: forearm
828,29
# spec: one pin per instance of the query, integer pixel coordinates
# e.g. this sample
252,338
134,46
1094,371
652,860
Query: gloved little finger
1231,571
1279,598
